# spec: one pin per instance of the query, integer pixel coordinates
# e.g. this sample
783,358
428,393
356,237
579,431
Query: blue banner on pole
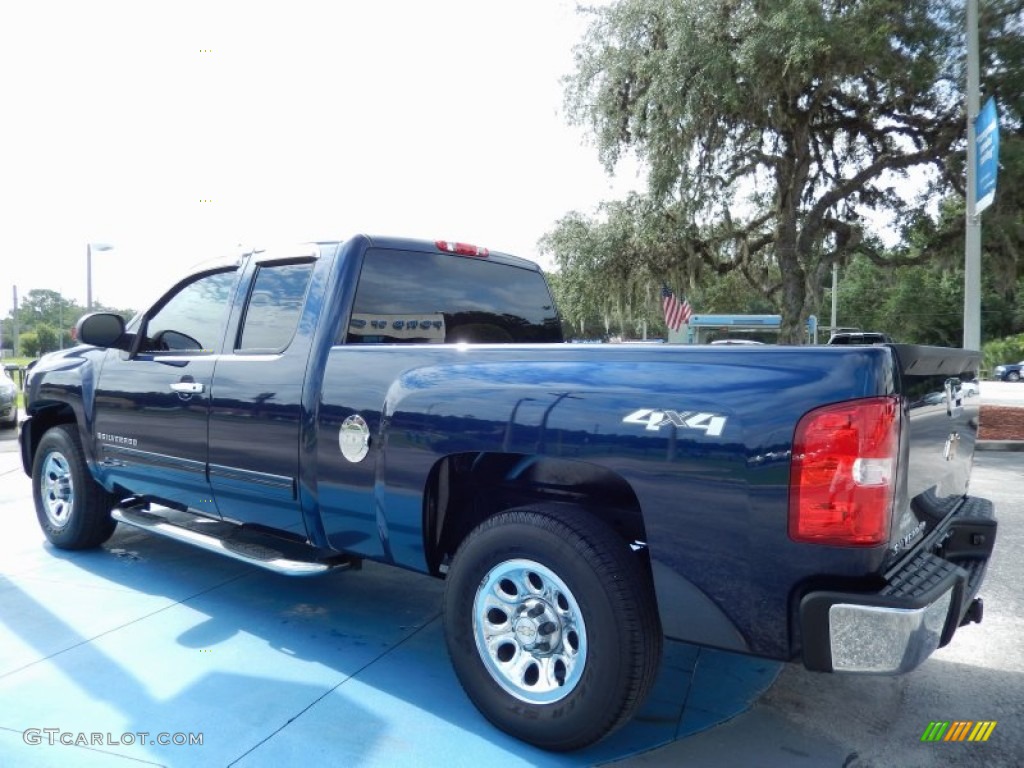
986,150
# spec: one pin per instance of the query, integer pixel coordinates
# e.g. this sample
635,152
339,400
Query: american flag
676,312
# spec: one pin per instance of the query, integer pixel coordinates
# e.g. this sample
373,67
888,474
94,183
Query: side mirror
102,329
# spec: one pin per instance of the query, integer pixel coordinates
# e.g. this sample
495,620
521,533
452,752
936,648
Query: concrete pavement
146,635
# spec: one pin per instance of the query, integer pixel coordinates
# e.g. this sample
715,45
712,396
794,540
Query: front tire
73,509
551,625
1013,376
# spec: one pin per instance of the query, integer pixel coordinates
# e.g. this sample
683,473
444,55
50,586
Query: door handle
187,387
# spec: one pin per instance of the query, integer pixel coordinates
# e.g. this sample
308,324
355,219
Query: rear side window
408,297
274,307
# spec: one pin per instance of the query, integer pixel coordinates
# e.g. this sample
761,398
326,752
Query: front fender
62,389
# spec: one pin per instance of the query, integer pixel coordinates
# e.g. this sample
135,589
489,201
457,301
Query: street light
506,443
89,247
559,397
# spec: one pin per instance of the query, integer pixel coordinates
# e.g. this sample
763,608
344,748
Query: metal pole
835,299
972,239
88,277
16,343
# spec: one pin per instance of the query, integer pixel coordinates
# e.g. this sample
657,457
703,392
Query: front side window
435,298
193,319
274,307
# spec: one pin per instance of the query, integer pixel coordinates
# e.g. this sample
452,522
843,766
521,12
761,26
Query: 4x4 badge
710,423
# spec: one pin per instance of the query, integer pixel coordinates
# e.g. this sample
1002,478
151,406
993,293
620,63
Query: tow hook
974,612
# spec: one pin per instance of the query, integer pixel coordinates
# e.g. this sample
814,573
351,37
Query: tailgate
940,429
941,538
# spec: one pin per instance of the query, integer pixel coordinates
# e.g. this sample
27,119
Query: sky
177,131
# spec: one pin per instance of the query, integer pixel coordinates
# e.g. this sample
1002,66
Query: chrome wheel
58,490
529,631
551,625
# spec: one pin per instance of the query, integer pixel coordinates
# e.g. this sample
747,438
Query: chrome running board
256,549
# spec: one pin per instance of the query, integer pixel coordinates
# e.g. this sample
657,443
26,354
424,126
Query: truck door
256,407
152,405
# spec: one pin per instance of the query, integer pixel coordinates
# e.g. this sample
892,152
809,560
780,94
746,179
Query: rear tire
73,509
551,625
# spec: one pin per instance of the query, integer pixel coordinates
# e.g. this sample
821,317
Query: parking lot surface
148,636
146,640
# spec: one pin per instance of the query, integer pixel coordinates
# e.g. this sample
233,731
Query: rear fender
465,489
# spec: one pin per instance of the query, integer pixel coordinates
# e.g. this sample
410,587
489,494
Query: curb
999,445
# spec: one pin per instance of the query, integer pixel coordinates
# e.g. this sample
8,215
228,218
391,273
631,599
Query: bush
47,338
999,351
30,344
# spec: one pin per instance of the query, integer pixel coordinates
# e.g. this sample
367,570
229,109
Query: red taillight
463,249
843,475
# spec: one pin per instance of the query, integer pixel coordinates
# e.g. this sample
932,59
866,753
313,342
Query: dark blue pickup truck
412,403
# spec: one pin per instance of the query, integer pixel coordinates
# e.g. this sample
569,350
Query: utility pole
835,298
972,239
16,343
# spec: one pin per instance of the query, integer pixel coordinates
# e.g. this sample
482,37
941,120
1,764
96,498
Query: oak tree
771,128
